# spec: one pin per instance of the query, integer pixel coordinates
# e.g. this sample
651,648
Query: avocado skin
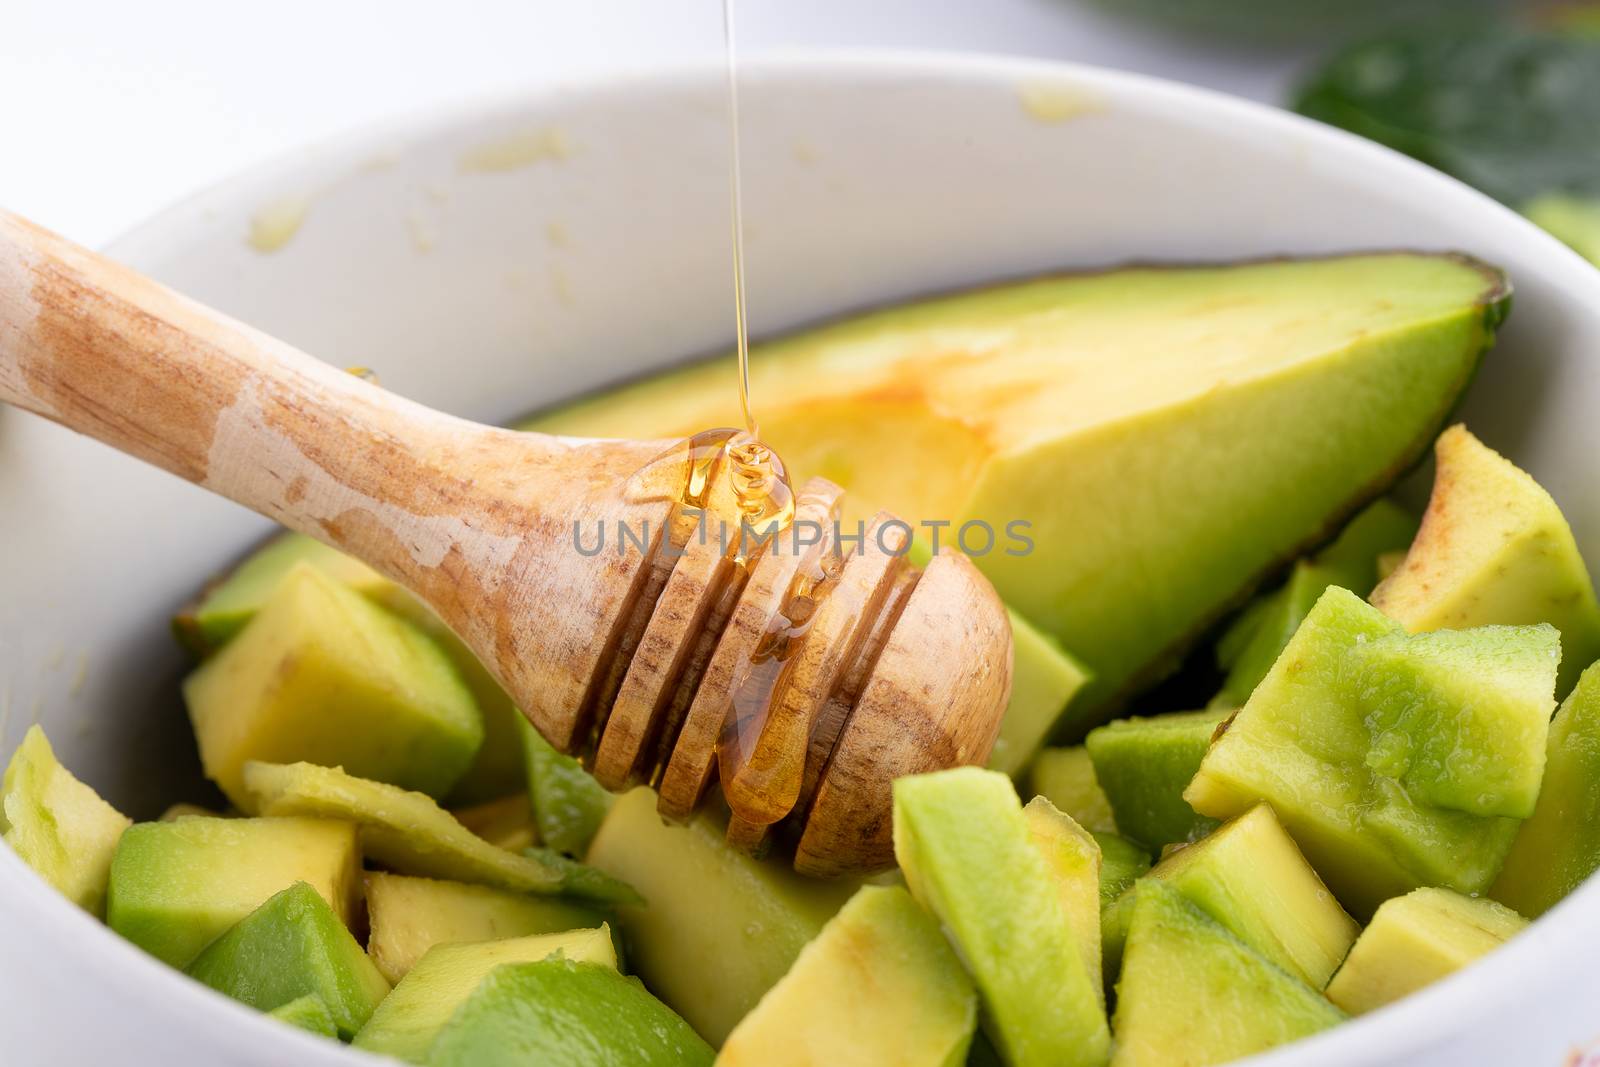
562,1011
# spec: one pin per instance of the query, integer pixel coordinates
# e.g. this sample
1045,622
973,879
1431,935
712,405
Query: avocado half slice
1144,444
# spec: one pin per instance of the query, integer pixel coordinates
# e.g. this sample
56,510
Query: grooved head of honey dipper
934,700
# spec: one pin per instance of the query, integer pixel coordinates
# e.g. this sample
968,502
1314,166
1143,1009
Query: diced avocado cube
1192,993
1250,877
411,834
182,810
879,985
227,606
505,823
1144,765
176,886
1460,718
410,1018
294,946
1044,679
57,825
1065,776
965,849
307,1013
560,1011
1301,744
1494,550
323,675
568,804
1251,646
1559,846
1073,857
1121,863
719,928
408,916
1416,940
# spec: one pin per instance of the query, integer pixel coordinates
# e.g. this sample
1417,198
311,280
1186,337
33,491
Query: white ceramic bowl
487,293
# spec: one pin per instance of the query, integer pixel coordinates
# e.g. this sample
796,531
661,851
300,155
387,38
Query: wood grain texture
627,654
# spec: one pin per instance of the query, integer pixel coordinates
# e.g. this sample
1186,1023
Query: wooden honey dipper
643,660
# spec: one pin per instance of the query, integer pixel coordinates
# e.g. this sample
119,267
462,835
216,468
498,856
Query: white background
112,109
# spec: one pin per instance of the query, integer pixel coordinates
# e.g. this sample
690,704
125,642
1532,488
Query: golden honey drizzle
763,507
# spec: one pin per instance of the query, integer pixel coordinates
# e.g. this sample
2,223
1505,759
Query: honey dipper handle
477,521
105,351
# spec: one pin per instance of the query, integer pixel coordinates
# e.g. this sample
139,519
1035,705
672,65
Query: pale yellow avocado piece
57,825
1073,858
1170,435
411,1016
408,916
410,833
225,608
1065,776
1416,940
1494,550
506,823
1045,680
720,928
880,985
324,675
175,886
1249,876
1192,994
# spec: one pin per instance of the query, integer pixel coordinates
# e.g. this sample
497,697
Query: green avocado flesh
1072,856
411,1017
1302,743
1121,863
1193,993
561,1011
411,834
878,985
175,886
1042,401
1250,878
719,928
1253,643
1144,765
1065,777
57,825
1494,549
226,608
294,946
408,916
1460,717
1415,940
307,1013
967,854
322,674
568,804
1559,846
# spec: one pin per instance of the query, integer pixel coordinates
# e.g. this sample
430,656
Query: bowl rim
1390,1033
